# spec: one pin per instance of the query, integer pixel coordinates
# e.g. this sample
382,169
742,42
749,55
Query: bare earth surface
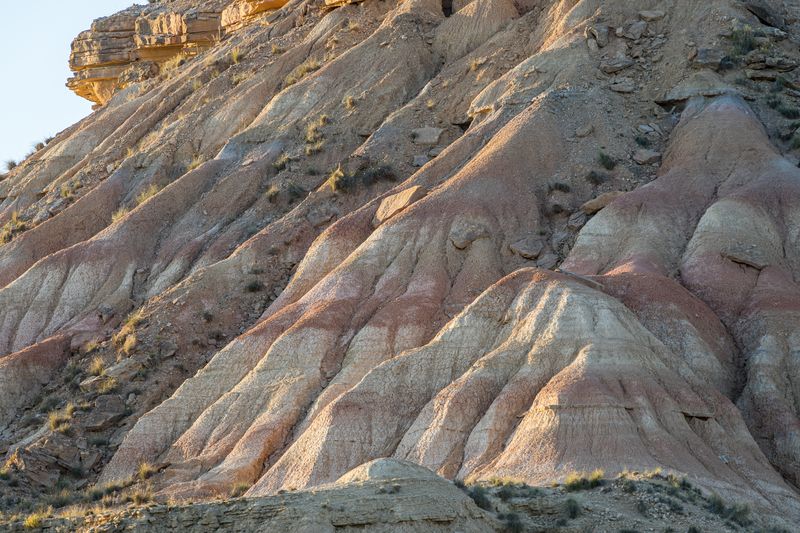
508,241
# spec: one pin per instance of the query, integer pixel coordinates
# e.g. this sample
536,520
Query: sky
34,54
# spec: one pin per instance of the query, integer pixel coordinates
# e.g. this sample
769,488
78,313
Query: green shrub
254,286
478,495
596,178
511,522
743,40
606,161
572,508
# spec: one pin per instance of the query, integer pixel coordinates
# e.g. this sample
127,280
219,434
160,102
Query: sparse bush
34,520
61,498
294,191
339,181
58,421
773,101
129,344
606,161
301,70
277,50
236,55
272,193
559,186
145,471
254,286
149,191
196,161
11,165
511,522
313,133
139,496
476,63
315,148
119,214
97,366
579,481
478,495
737,513
572,508
91,346
743,40
628,486
349,102
48,404
642,141
281,162
128,328
107,386
788,111
238,489
654,473
12,227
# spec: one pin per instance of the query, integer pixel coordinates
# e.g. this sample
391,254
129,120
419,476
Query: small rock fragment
547,261
616,64
528,248
623,85
427,136
646,157
651,15
420,160
596,204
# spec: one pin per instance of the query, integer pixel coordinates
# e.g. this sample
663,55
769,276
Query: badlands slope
498,239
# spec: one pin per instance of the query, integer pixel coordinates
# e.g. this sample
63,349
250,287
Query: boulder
107,411
528,248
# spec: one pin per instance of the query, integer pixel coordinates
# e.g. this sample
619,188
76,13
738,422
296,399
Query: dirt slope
494,238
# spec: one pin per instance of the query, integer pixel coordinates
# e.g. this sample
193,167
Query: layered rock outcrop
242,12
138,43
382,231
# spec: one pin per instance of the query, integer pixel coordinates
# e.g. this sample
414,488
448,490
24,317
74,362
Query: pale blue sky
34,51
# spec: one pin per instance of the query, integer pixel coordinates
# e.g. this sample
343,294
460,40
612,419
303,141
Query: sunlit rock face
136,44
242,12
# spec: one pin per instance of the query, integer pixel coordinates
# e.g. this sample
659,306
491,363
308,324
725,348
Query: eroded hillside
499,239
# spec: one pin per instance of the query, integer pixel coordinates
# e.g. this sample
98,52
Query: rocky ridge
496,239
